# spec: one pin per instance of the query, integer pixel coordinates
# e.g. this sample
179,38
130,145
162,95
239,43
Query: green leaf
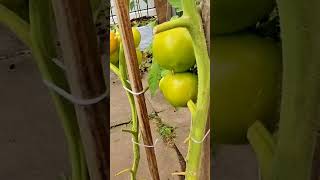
154,77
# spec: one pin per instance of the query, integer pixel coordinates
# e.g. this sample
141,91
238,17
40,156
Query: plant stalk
44,49
16,24
299,118
123,76
191,20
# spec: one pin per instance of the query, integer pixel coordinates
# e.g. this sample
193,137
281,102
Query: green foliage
166,132
154,77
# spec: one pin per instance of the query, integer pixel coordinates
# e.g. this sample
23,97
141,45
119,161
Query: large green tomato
179,88
173,50
246,85
234,15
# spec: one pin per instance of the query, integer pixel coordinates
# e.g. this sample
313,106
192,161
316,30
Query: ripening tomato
114,44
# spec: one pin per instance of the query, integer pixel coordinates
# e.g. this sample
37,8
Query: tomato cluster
246,70
115,43
173,50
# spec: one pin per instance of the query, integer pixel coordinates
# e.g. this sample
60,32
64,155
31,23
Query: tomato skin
245,86
114,43
114,57
179,88
173,50
235,15
136,36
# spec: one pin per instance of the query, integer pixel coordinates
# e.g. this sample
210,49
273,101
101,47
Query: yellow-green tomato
136,36
139,56
245,86
179,88
114,57
235,15
173,50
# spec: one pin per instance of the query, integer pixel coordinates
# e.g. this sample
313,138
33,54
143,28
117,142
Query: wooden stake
136,84
85,76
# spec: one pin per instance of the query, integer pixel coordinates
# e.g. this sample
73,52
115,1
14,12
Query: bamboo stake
136,84
85,76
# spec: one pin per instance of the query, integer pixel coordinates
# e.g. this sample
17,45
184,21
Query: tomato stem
191,20
299,116
183,21
264,146
122,74
16,24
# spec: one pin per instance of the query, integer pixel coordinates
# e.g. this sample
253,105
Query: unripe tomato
114,44
173,50
234,15
136,36
114,57
245,86
139,56
179,88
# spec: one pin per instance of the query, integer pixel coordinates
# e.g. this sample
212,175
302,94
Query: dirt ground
32,144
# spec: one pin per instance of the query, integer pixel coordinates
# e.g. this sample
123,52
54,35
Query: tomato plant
173,50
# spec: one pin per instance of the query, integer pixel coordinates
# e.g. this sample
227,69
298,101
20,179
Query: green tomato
235,15
245,86
179,88
139,56
136,36
173,50
114,57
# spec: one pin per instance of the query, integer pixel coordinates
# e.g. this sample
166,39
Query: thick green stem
263,145
16,24
300,32
123,76
200,116
183,21
43,48
191,19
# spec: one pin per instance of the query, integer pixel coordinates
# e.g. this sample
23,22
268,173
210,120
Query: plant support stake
136,84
